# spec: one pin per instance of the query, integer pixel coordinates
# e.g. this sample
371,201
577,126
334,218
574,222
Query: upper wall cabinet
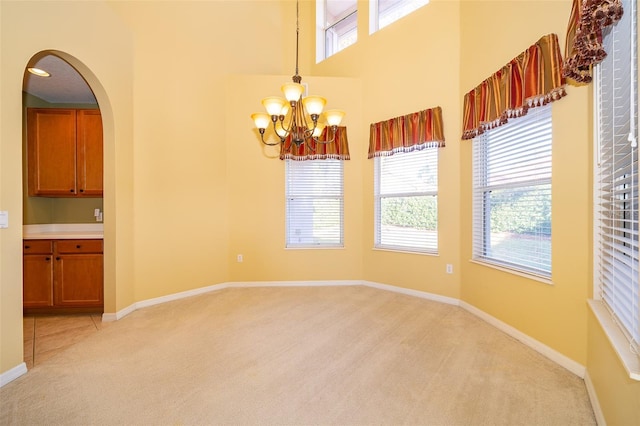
64,152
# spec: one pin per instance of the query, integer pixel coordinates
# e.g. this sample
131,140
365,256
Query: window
337,26
616,176
512,194
384,12
406,201
314,203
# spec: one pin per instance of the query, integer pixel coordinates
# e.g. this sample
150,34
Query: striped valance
338,149
531,79
583,47
406,133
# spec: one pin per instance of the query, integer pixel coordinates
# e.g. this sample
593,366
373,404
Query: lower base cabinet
63,275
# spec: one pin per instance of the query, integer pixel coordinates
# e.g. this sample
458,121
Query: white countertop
66,231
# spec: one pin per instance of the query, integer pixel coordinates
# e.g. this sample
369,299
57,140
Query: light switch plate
4,219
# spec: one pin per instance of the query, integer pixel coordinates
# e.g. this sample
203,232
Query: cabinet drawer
79,246
37,247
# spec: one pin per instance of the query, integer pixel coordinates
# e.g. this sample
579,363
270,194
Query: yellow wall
556,315
28,29
468,41
257,198
184,186
409,66
618,395
188,186
553,314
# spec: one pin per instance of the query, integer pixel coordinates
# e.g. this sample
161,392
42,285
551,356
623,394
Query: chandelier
295,116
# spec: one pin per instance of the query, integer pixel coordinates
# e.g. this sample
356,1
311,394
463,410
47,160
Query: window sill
407,251
314,248
618,340
531,276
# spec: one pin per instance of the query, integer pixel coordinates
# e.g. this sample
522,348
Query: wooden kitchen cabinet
73,280
89,150
64,152
77,278
37,274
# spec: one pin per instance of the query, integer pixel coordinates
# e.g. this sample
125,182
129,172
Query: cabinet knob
47,258
71,190
82,190
27,247
58,258
78,246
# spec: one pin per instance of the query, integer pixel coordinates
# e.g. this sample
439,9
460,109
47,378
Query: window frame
374,12
379,197
302,194
328,35
610,250
512,180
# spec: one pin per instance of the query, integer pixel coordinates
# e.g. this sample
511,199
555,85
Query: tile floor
45,336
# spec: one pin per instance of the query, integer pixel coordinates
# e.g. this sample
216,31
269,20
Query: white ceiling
65,85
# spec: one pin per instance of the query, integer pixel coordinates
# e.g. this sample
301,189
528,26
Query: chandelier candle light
297,116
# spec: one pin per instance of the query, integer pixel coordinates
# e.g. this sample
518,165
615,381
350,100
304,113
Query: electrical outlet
240,258
449,268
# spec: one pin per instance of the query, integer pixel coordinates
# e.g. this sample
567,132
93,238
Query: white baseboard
10,375
593,397
246,284
181,295
555,356
108,317
414,293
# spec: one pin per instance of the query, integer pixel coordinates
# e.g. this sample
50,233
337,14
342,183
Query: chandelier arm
333,136
308,144
286,130
308,133
269,143
282,136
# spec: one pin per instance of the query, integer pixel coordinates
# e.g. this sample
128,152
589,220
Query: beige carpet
309,355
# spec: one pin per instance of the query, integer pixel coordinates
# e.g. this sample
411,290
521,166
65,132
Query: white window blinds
512,194
616,174
314,203
406,201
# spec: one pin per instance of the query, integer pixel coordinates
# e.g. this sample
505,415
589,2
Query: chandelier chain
296,77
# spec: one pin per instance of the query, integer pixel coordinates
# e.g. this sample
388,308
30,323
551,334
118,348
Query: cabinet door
51,151
37,285
78,280
89,150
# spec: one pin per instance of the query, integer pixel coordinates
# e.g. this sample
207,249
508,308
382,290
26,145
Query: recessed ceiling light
38,72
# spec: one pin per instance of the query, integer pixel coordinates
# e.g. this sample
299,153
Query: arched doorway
52,86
